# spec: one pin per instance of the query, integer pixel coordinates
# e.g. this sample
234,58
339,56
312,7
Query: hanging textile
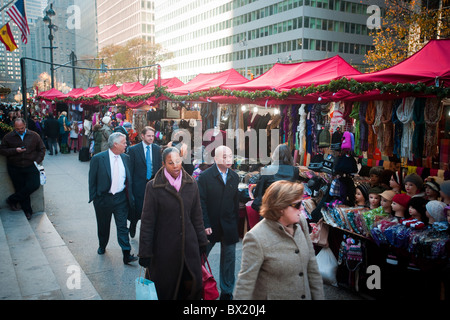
301,130
372,136
405,116
364,131
309,128
398,129
432,115
377,125
387,132
419,127
356,127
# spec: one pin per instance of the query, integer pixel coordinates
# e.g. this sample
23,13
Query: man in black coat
138,168
110,187
51,131
219,196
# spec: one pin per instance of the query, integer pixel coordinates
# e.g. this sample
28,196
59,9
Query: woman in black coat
172,231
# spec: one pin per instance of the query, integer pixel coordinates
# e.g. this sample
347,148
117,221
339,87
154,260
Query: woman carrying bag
172,234
278,259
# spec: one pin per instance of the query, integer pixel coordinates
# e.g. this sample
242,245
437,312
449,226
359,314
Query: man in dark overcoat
219,197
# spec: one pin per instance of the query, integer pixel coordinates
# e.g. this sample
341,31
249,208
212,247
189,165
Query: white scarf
405,116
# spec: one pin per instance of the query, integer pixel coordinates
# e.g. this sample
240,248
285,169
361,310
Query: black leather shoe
101,250
129,258
28,215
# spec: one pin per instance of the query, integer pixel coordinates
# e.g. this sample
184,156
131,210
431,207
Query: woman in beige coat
278,260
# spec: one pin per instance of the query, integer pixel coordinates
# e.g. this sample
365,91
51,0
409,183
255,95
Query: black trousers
26,180
105,206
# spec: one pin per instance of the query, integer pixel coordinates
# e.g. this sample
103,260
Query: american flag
18,15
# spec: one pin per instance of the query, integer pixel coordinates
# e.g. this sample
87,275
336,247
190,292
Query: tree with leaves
135,53
406,26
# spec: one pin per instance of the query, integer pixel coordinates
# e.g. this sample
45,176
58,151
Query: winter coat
278,266
171,234
51,128
220,204
105,131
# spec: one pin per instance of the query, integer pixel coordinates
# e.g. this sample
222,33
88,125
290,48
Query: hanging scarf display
419,127
405,116
372,136
309,128
432,115
301,130
356,127
387,127
398,129
377,125
364,132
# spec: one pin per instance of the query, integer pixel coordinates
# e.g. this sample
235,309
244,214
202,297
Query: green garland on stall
333,86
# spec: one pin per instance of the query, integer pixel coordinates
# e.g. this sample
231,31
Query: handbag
209,291
145,289
319,234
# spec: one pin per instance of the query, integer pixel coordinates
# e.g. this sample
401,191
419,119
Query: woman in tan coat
278,260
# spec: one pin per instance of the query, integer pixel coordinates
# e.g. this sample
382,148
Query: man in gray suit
110,190
145,161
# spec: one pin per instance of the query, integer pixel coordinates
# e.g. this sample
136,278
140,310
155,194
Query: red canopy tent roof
50,94
74,92
89,93
150,87
124,90
426,65
205,81
283,77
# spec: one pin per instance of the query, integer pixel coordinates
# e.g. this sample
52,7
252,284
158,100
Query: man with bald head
219,196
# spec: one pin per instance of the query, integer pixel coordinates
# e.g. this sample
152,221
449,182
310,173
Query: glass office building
251,35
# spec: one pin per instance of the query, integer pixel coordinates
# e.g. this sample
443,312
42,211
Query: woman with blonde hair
278,260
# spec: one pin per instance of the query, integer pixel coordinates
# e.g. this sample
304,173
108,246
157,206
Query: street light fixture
47,20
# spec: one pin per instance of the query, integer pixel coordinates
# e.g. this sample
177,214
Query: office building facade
251,35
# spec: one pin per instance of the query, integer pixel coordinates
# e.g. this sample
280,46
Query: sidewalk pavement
54,256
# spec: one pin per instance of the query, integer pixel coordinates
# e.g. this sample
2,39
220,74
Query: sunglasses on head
296,205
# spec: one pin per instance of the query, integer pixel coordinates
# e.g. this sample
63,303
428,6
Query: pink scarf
176,183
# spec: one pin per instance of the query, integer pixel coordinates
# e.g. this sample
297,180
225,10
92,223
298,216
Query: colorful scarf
405,116
432,115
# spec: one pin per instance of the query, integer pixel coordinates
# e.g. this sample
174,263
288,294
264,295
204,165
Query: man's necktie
149,163
115,176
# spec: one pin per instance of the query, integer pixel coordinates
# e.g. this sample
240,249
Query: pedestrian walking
105,131
64,128
74,132
51,131
110,188
219,196
278,259
145,161
172,235
22,148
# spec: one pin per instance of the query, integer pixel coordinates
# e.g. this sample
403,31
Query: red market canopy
89,92
206,81
283,77
150,87
123,90
51,94
74,92
428,65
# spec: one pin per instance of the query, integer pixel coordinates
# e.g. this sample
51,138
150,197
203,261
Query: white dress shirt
122,173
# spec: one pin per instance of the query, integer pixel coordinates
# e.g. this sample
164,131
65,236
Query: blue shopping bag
145,289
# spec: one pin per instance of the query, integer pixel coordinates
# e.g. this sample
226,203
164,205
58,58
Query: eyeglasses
296,205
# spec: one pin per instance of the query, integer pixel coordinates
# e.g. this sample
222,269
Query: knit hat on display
376,171
364,188
106,120
127,125
433,185
398,177
445,188
436,209
388,195
324,139
402,199
377,190
415,179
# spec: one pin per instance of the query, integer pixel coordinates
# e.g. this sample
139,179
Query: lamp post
47,20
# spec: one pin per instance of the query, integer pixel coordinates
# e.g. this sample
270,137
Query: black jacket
51,128
269,175
220,204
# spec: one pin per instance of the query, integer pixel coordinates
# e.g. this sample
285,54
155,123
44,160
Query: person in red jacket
22,147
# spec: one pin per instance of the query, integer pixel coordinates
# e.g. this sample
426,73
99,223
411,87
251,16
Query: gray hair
114,138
